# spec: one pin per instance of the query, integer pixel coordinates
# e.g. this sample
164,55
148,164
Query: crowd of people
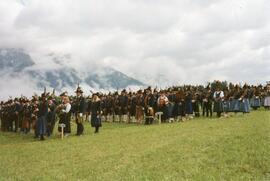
174,104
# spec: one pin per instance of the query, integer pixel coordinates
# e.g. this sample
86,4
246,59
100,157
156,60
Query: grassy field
236,148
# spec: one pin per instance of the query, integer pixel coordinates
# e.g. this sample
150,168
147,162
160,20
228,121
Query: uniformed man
80,110
218,101
123,105
51,116
162,105
42,117
149,106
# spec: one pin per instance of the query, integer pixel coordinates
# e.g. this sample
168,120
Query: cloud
15,87
158,42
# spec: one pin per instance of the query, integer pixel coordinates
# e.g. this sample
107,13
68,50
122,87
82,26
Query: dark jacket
80,106
42,109
95,114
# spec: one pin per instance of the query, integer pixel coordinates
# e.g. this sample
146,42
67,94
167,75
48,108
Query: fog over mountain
19,70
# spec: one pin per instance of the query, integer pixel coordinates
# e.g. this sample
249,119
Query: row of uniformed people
41,112
175,104
23,114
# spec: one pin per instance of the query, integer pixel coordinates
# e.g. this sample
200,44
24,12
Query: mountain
55,78
106,77
17,64
14,59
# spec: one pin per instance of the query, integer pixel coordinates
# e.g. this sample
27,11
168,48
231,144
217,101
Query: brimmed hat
123,91
64,94
34,98
51,98
79,90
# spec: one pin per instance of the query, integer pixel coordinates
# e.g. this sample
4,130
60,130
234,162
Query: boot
42,137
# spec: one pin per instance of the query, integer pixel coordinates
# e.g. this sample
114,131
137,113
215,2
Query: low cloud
158,42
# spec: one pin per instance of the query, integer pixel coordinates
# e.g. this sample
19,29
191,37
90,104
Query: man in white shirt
163,101
218,101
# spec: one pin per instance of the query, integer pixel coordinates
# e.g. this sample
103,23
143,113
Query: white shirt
67,109
221,94
164,98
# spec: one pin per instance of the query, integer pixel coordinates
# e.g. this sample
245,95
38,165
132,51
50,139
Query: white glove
80,115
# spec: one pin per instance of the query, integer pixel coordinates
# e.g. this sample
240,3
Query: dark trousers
50,127
96,129
207,108
164,109
10,124
41,125
80,128
65,119
2,123
79,122
16,121
149,121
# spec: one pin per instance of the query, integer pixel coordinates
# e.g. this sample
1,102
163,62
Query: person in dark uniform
132,107
103,107
149,106
155,95
51,116
163,102
180,105
1,115
139,115
123,105
11,115
188,104
207,103
15,115
171,105
88,107
42,117
116,107
108,108
196,104
18,114
80,110
26,116
255,99
34,112
64,110
95,113
218,98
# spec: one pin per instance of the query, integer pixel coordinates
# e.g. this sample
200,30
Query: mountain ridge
16,63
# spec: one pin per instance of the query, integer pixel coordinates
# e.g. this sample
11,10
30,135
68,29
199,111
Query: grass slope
237,148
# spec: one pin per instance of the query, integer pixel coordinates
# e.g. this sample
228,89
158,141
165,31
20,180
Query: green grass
237,148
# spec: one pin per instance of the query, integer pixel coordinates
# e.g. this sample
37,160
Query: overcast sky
174,41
